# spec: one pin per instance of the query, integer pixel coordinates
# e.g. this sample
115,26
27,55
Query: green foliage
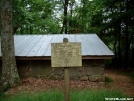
131,75
108,80
76,95
95,95
112,20
40,96
34,17
108,63
2,96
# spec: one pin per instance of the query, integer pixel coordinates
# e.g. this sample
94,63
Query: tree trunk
65,17
70,21
115,48
119,43
132,65
126,35
10,74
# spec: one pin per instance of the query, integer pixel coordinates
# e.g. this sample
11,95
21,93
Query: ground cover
118,85
75,95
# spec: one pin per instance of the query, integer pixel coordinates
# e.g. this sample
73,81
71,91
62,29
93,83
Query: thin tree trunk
70,22
115,49
65,17
132,65
119,44
10,75
126,34
119,41
115,52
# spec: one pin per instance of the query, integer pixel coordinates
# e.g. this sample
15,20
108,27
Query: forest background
111,20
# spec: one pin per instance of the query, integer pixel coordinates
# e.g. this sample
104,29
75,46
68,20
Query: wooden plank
49,57
37,46
25,47
54,40
67,83
79,39
97,57
33,58
42,50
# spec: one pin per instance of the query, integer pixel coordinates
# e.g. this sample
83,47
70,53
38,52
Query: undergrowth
75,95
131,75
108,80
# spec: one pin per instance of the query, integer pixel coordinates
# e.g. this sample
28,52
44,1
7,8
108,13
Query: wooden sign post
66,78
66,54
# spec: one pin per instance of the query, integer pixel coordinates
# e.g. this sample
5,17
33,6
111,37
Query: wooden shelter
33,51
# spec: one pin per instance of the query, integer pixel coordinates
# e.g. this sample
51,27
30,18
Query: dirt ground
120,81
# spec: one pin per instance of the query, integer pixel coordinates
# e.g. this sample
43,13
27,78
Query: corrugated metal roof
40,45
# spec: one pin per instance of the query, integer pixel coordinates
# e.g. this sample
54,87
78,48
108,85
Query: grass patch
96,95
38,96
75,95
108,80
131,75
2,96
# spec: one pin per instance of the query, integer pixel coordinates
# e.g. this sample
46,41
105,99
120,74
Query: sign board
66,54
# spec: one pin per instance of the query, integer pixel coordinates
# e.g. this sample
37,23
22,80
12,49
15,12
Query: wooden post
66,78
66,54
67,88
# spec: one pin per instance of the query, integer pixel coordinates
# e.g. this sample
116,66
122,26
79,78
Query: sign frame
66,54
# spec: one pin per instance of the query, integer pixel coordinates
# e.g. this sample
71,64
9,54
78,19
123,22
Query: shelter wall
92,70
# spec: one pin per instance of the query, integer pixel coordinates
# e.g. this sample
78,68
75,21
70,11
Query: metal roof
39,46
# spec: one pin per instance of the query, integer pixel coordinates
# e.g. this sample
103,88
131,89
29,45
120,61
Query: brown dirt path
122,82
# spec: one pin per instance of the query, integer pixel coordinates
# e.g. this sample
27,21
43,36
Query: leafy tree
34,17
112,20
117,18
